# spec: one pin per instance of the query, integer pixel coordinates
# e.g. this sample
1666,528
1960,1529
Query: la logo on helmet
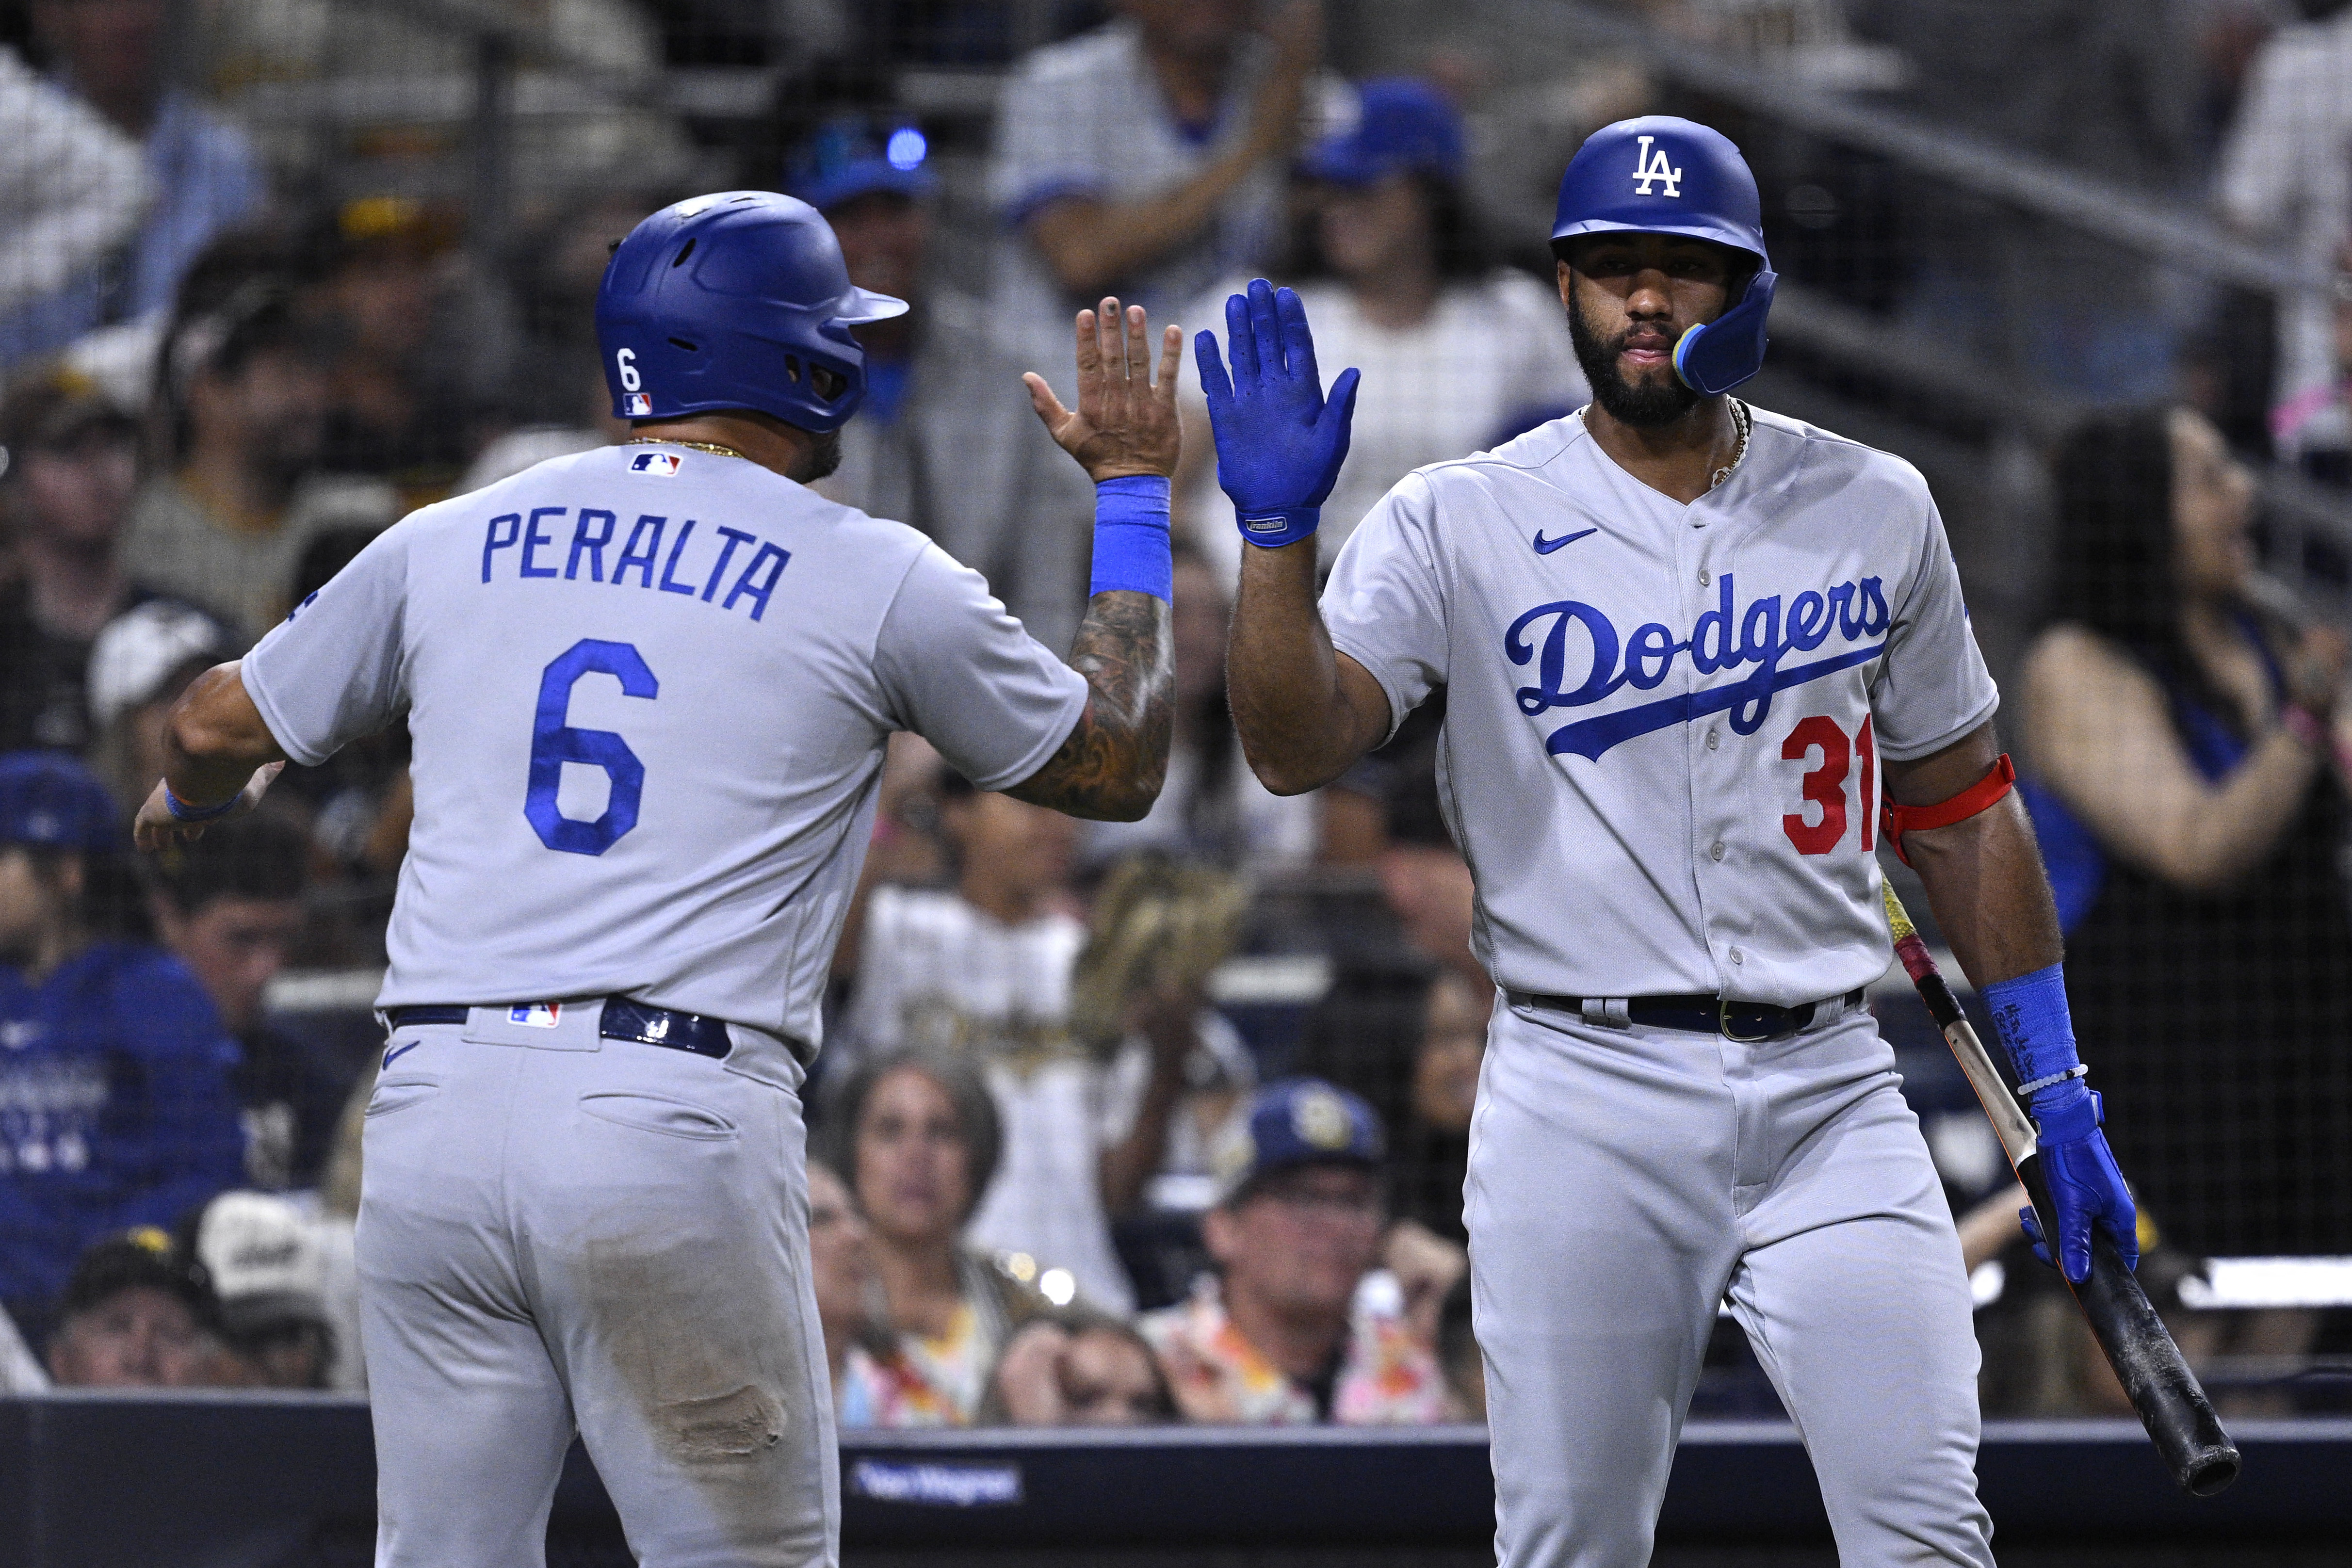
1650,165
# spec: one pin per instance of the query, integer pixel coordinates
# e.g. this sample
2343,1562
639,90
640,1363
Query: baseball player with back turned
650,687
1685,643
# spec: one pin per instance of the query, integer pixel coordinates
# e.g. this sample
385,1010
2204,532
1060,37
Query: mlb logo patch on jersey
638,405
537,1015
661,465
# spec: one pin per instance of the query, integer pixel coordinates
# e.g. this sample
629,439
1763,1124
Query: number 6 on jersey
554,743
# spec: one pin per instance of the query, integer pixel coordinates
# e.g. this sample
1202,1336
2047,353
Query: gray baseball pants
559,1232
1623,1183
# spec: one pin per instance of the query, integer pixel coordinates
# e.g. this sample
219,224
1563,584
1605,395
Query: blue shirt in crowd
208,179
116,1108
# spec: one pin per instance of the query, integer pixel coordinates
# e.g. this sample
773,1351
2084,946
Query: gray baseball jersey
1664,722
649,688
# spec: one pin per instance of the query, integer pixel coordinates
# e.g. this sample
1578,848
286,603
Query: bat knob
2208,1473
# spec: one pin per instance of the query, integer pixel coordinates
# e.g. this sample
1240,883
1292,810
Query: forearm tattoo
1113,763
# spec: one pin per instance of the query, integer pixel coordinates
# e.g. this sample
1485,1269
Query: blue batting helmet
1659,174
735,300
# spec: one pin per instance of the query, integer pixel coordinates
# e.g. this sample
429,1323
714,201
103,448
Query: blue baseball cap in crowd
1298,1122
1406,125
48,798
849,158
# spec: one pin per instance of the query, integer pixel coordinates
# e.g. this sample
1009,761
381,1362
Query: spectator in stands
2285,178
70,468
2186,753
269,1276
1212,808
556,402
982,970
204,172
137,668
249,400
1145,158
75,189
940,443
1286,1333
230,906
919,1136
116,1107
397,402
1433,1151
136,1313
1080,1369
840,1266
1458,353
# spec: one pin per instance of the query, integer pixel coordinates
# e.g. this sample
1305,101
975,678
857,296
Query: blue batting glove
2085,1187
1280,441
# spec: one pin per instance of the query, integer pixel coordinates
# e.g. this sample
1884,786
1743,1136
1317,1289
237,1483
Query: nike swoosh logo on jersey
1545,545
397,1052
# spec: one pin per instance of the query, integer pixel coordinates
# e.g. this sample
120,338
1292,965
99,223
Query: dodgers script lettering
1726,638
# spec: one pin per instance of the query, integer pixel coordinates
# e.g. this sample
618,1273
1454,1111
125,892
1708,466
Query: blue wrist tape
2030,1018
184,812
1285,527
1131,547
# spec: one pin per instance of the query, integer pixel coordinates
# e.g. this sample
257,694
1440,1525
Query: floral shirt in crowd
1386,1376
922,1382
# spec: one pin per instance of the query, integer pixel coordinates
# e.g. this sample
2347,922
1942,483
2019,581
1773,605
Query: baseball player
1687,645
650,687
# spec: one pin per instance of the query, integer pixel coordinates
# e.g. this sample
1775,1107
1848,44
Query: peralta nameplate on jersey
536,551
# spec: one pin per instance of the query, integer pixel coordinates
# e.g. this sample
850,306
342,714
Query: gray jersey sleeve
332,671
1934,687
963,674
1385,605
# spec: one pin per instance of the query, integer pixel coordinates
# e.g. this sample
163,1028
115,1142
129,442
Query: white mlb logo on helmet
639,404
661,464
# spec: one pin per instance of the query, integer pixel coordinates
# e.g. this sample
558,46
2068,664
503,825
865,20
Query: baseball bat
2172,1406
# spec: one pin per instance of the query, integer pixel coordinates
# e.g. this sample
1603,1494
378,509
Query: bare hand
1426,1265
1125,423
156,828
1029,1375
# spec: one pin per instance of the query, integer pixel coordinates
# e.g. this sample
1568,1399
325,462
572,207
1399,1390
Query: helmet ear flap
1713,359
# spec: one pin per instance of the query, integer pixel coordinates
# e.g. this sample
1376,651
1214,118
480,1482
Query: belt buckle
1723,1006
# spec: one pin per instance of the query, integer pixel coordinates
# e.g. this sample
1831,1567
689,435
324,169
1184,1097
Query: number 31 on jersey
1819,826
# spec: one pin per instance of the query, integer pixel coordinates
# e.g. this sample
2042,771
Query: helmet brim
860,306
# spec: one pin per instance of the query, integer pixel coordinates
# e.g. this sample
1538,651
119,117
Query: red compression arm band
1897,820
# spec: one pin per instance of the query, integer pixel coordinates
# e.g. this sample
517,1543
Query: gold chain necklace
1740,418
713,447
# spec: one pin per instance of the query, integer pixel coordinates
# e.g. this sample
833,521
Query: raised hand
1125,423
1280,441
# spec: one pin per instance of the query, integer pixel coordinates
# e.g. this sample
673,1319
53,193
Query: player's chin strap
1897,820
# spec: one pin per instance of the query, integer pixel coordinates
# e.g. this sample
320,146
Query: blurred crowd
1066,1168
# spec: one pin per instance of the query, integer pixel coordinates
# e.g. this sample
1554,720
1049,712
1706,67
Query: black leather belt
623,1020
1749,1022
